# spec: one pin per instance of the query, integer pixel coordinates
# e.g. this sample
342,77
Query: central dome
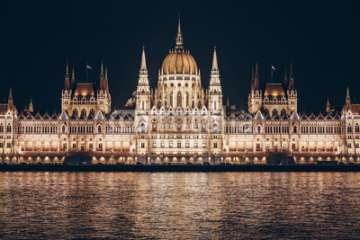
179,62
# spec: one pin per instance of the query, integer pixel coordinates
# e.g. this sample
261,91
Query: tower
143,88
291,91
255,96
215,106
66,92
215,91
142,108
103,96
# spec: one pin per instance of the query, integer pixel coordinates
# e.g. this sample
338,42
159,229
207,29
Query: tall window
179,99
187,99
295,129
171,100
8,128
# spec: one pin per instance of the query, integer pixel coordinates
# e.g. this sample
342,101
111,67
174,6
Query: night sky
321,39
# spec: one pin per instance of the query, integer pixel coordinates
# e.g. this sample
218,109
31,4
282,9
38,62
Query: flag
89,67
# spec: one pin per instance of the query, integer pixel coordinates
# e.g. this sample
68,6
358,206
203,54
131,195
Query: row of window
8,145
8,129
285,129
38,129
177,145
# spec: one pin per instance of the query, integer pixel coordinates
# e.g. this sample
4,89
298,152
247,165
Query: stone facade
178,122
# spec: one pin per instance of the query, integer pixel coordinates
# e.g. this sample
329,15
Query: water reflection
179,205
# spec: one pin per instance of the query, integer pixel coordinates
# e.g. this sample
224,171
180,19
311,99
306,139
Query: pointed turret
143,72
103,78
143,66
215,73
215,66
328,106
30,106
106,84
215,90
11,105
256,79
291,85
179,37
143,88
348,98
73,76
10,97
67,85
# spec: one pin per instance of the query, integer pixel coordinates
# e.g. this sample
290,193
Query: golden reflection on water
179,205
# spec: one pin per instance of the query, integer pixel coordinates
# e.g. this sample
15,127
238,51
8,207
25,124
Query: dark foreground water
179,205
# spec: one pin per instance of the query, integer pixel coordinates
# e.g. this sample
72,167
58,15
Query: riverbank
181,168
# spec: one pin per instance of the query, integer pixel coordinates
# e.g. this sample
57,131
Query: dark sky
37,37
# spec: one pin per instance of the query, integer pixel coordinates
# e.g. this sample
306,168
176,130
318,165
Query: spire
328,106
10,98
106,85
215,74
30,106
179,38
143,73
143,60
256,76
215,66
67,77
10,101
291,85
348,98
102,77
73,76
101,70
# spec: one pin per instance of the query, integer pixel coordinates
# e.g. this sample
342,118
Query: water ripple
179,205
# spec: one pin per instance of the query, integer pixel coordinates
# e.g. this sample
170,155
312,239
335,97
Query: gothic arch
179,99
83,114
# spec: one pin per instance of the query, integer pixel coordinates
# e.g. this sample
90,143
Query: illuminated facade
178,122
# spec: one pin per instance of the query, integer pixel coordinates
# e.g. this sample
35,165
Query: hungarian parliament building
179,122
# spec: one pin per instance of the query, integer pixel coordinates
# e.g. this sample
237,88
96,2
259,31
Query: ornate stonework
178,122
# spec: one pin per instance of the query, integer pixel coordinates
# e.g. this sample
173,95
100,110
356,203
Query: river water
44,205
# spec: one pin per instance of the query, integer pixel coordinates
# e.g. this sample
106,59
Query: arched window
83,114
357,129
171,99
99,129
258,129
75,113
295,129
187,99
142,105
179,99
8,128
274,112
349,130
